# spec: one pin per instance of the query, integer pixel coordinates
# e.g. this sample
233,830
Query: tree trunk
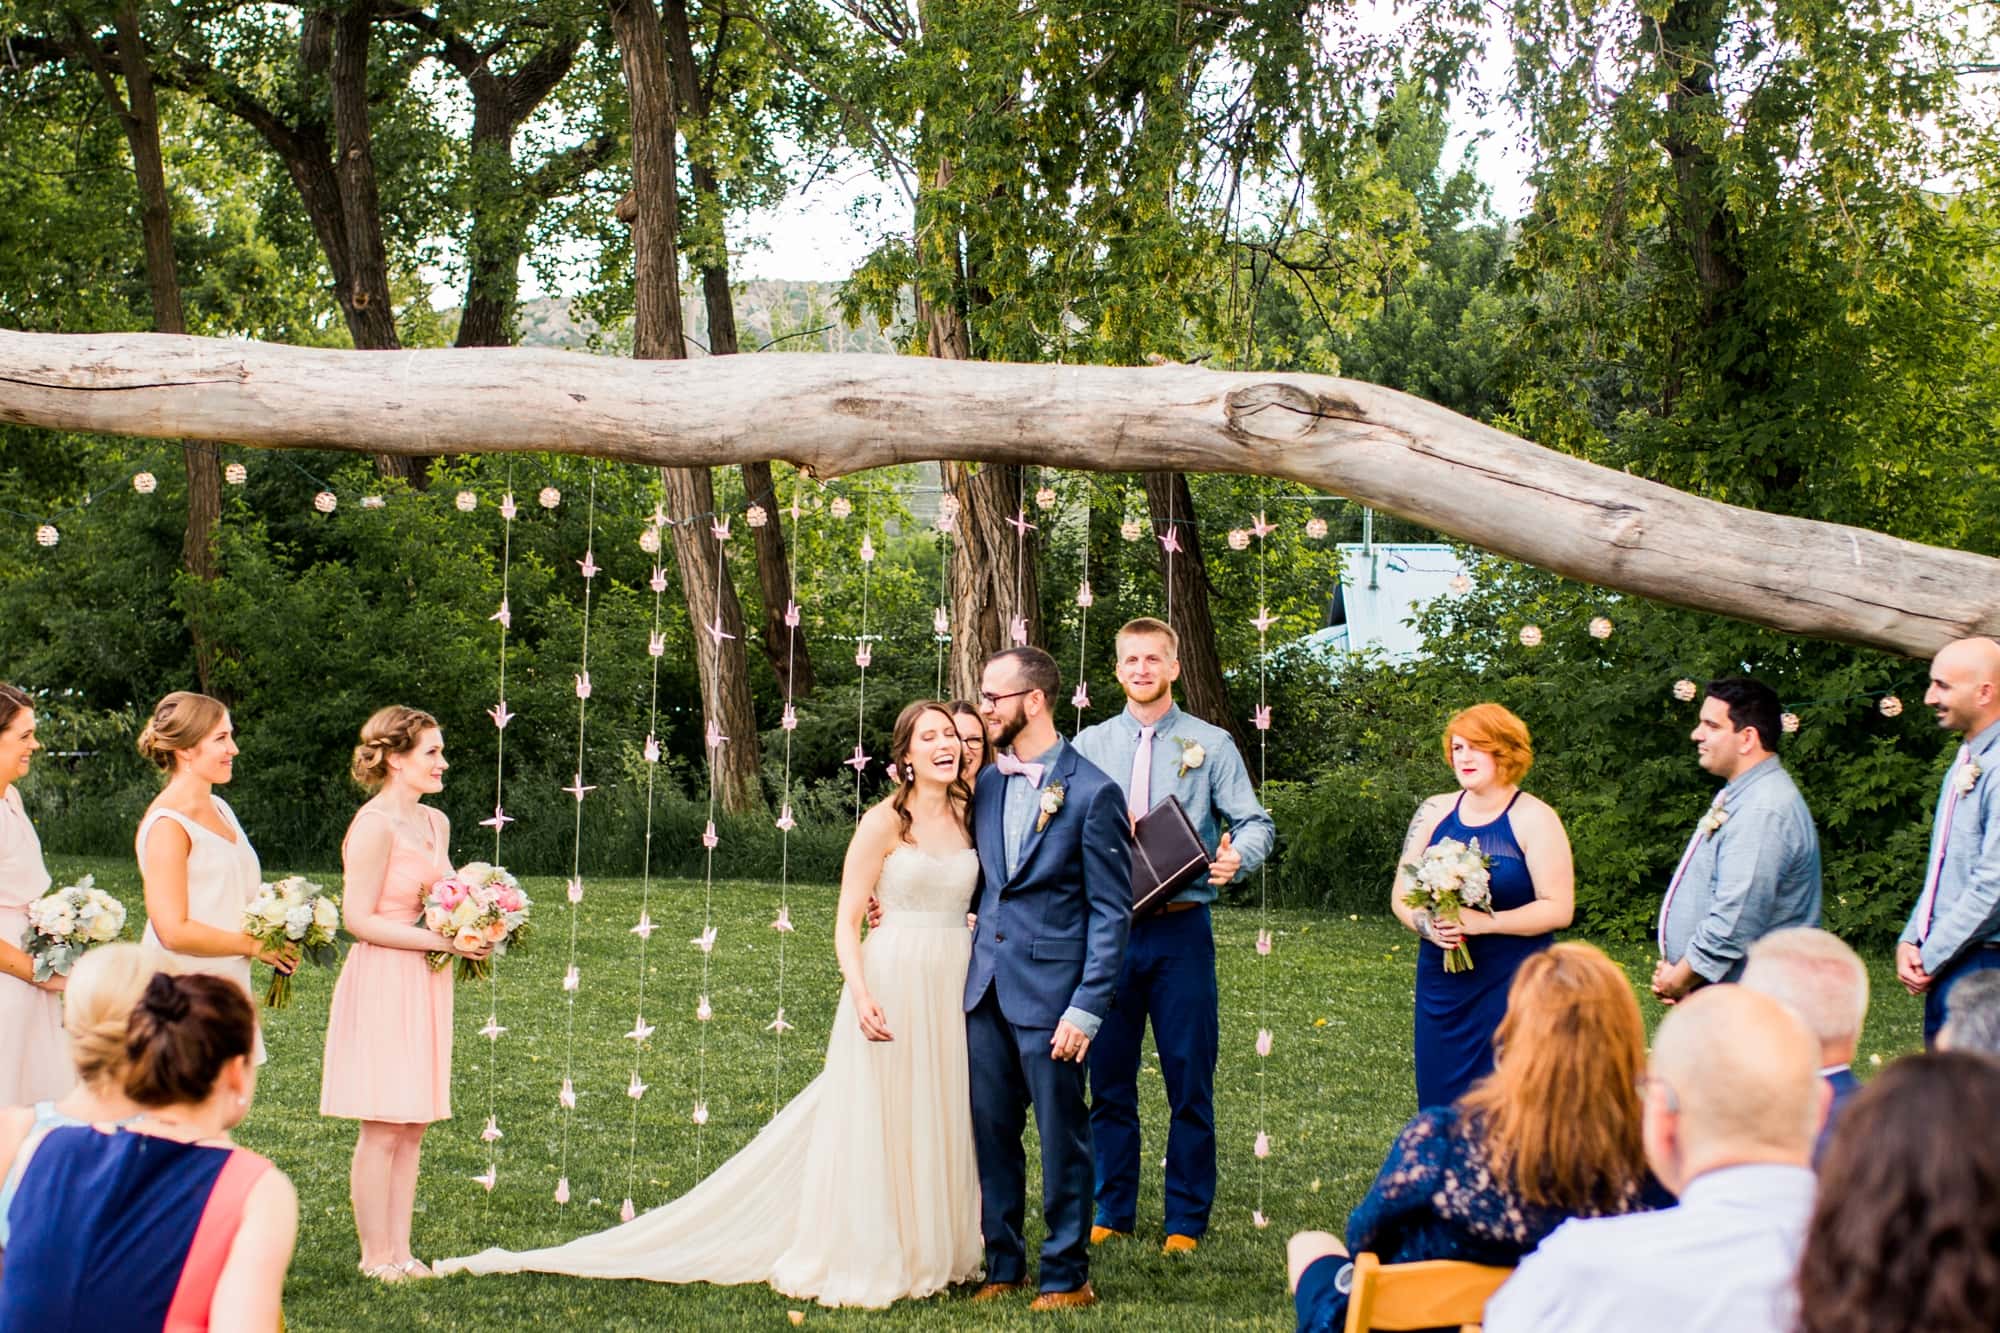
658,335
833,415
1185,577
139,114
784,646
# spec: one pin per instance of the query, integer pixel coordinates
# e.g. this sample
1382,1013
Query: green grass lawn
1338,1084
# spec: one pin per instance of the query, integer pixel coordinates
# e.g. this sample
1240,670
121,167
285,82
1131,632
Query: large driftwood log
842,414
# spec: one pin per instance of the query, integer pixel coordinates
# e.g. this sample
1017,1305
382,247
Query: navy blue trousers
1169,978
1938,998
1012,1070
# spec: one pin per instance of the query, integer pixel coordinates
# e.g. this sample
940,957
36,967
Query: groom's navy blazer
1052,935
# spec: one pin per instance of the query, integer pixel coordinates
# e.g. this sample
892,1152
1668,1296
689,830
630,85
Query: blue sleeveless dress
1457,1013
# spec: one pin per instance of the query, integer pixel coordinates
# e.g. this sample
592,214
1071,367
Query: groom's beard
1003,738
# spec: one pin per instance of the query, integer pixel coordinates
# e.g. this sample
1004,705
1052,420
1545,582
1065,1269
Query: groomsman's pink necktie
1680,871
1928,903
1139,791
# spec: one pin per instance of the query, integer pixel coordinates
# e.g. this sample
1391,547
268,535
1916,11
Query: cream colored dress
222,878
34,1053
864,1190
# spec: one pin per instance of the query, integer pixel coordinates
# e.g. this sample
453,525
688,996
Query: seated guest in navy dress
1818,977
1552,1134
164,1224
1533,895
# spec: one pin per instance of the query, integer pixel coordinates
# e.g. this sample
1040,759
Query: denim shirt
1220,785
1022,803
1966,913
1758,873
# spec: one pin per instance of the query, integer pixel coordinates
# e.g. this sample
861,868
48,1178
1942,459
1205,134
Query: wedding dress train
864,1189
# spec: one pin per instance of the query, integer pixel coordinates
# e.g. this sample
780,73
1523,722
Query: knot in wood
1280,411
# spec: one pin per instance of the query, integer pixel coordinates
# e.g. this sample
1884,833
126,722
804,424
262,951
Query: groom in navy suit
1055,901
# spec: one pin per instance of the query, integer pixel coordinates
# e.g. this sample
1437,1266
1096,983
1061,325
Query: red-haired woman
1553,1133
1533,887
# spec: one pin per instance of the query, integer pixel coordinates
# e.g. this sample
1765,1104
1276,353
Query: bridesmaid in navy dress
1534,895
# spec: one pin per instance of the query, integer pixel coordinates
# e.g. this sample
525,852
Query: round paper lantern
1891,706
1131,529
1684,690
1460,584
1531,636
1316,527
549,497
236,474
649,540
1600,627
1239,540
1790,722
325,502
371,502
466,502
145,483
46,535
756,516
841,506
1045,498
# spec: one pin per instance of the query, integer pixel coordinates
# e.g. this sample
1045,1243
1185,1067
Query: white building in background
1383,586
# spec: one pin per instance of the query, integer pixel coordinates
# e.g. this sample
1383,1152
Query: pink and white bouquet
62,924
1448,878
478,903
294,911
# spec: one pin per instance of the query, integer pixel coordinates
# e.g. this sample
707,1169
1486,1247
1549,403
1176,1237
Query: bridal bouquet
1448,878
66,922
478,903
294,910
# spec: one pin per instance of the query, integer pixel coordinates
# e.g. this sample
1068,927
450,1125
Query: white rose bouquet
296,911
1448,878
479,903
68,921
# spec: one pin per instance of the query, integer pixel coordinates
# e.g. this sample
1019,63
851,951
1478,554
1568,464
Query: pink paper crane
567,1097
1080,697
644,930
1022,527
712,734
783,923
867,549
1170,540
658,583
1263,1041
715,630
499,820
578,788
583,685
709,839
636,1088
789,720
700,1113
702,1011
863,656
572,978
562,1190
720,527
588,564
940,621
1260,717
501,717
626,1212
651,751
503,615
858,760
641,1030
1262,529
1084,596
656,644
1017,629
492,1030
778,1024
508,508
791,615
575,890
1263,620
491,1134
705,941
488,1179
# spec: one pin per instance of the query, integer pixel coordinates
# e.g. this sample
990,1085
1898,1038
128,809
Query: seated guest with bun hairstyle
163,1224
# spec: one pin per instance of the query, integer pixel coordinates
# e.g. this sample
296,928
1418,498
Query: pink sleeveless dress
388,1037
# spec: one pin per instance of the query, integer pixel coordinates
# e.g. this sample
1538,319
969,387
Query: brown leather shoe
993,1291
1065,1300
1179,1244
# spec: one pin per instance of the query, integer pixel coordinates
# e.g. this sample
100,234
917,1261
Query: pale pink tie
1139,791
1680,871
1012,767
1928,903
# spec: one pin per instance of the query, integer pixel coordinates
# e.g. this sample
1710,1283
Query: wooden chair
1435,1293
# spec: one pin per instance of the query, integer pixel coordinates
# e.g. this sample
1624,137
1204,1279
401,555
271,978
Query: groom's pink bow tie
1012,767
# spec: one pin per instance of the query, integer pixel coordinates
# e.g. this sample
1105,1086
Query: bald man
1733,1098
1955,930
1825,983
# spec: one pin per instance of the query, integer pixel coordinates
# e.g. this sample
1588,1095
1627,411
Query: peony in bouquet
294,911
479,903
1448,878
66,922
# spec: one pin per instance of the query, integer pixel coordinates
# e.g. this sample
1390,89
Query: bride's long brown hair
958,792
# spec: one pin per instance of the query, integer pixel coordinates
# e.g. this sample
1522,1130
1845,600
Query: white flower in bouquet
62,924
326,914
298,920
1449,877
294,911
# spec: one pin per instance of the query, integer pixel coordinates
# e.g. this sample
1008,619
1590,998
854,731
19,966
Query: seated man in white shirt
1733,1100
1826,984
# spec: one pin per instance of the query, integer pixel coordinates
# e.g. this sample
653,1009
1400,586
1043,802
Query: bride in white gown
864,1190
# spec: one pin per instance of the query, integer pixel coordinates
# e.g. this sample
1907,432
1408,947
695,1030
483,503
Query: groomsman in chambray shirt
1752,865
1955,929
1153,750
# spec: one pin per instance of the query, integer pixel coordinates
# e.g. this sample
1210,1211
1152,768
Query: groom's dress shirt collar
1021,804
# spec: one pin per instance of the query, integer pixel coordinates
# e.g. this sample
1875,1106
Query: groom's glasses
994,700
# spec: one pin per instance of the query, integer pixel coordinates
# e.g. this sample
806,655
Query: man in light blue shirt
1752,865
1154,751
1733,1098
1955,929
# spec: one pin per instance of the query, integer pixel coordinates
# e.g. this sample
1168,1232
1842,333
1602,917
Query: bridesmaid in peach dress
388,1037
34,1056
198,866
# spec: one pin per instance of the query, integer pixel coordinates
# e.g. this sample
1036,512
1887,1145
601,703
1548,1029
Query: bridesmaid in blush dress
388,1037
199,868
1533,884
34,1059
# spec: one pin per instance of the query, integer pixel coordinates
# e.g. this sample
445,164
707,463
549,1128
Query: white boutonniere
1712,822
1192,756
1968,776
1052,801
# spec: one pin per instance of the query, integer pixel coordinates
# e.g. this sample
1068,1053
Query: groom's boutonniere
1052,801
1192,756
1968,776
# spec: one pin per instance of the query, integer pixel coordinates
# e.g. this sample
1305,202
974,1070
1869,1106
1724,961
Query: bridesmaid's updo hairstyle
180,722
393,730
1492,728
104,986
12,701
182,1032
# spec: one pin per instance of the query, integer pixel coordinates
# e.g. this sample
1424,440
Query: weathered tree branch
840,414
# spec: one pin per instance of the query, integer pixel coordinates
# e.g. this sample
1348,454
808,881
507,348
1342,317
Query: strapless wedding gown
864,1190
